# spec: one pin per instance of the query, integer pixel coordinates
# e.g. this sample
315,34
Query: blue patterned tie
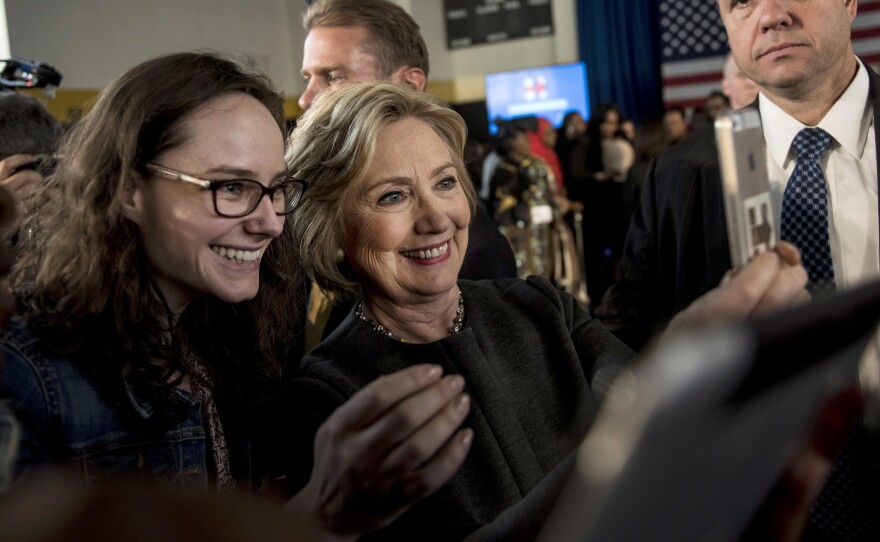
805,209
839,513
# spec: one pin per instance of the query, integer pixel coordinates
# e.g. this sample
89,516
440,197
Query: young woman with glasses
159,299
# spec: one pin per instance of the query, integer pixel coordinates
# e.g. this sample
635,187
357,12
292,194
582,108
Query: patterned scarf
202,387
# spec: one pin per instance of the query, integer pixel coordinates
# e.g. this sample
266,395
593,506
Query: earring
340,255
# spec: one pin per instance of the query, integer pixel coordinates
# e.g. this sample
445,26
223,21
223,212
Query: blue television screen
548,91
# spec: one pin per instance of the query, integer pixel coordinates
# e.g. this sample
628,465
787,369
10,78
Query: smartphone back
751,219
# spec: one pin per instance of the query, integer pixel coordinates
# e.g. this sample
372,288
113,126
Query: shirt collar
780,128
145,406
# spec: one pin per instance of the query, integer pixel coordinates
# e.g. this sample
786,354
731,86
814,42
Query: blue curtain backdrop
620,42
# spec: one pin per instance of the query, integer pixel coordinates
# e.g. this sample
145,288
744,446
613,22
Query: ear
132,203
414,78
852,8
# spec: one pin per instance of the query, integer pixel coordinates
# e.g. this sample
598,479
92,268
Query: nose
774,15
263,219
313,88
432,217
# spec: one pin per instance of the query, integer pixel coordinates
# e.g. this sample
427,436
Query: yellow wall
462,90
292,109
69,104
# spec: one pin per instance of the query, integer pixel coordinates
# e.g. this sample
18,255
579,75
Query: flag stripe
691,67
678,94
866,33
695,45
866,20
691,79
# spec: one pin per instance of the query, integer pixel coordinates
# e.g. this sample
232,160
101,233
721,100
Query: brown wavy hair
83,282
332,147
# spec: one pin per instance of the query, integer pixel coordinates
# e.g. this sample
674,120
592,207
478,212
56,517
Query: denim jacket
64,420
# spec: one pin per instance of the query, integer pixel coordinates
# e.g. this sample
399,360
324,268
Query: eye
335,78
232,188
390,198
447,183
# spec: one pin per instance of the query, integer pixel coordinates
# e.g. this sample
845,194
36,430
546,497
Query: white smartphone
751,222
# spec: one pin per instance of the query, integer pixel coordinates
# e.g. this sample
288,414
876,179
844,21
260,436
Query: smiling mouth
238,255
430,253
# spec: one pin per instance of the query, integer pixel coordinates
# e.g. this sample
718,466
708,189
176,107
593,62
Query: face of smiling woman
192,250
406,222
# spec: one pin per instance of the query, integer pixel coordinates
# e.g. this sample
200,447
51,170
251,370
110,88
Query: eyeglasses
235,198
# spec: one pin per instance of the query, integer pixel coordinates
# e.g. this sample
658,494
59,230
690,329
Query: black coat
676,248
535,365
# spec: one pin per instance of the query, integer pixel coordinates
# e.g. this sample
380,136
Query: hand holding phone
751,219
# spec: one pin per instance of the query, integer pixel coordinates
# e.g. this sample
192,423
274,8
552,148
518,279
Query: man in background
350,40
819,105
716,102
741,90
675,124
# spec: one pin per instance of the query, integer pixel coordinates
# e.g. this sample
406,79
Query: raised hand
391,445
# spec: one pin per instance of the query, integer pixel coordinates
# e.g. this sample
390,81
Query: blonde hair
332,148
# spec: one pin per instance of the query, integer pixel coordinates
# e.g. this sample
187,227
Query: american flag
695,44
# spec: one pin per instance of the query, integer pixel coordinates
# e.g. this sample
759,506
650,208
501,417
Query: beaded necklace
457,323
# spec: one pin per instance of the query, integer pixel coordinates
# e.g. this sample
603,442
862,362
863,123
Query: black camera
18,72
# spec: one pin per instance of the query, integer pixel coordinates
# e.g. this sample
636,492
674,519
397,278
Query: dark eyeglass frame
213,186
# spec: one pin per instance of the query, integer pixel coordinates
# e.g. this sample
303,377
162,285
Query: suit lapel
717,248
874,98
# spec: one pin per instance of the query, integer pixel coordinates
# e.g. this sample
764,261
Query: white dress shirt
850,167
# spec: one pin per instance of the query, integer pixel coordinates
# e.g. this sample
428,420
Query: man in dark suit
810,81
803,62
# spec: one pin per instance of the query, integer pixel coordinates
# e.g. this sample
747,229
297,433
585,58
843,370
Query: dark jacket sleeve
307,402
631,309
602,355
676,249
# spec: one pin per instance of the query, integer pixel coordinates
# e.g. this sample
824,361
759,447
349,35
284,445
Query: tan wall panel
69,104
292,109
